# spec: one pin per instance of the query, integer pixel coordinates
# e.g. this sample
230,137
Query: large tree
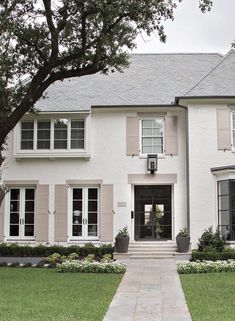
43,41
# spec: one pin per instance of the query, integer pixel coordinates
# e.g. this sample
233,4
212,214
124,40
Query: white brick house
77,171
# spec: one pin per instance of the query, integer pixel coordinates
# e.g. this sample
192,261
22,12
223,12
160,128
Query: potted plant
122,240
183,241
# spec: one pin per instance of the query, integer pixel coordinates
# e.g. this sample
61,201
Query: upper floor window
53,134
233,129
152,129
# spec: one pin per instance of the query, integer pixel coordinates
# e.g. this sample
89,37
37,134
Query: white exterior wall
204,155
108,163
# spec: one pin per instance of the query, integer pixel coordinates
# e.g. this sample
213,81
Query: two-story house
77,171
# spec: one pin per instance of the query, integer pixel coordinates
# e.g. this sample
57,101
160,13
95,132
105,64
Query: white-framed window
52,134
84,213
21,213
152,135
233,129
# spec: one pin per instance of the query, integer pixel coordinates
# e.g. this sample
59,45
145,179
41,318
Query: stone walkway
150,291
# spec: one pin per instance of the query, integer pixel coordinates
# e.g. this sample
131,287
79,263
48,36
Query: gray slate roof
220,81
151,79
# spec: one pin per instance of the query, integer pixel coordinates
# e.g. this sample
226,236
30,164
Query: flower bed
206,267
91,267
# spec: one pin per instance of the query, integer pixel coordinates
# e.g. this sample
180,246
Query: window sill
52,155
145,156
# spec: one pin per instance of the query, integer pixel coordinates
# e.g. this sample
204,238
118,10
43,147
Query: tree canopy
43,41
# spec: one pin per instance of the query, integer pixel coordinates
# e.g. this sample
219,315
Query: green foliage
213,255
106,258
44,251
211,239
123,233
183,233
89,258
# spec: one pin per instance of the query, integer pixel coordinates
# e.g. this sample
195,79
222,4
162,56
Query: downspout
187,163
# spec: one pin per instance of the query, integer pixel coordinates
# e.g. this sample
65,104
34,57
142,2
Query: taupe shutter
132,136
42,215
171,135
61,214
2,222
223,129
106,213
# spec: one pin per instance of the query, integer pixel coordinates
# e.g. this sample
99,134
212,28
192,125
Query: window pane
147,132
157,149
44,135
152,135
92,230
223,187
77,193
147,141
29,194
92,218
14,230
92,206
60,133
15,194
92,193
77,134
157,141
14,218
77,230
147,123
223,202
157,123
29,218
224,217
27,134
147,150
29,230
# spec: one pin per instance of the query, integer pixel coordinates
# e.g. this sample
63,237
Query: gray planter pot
183,244
121,244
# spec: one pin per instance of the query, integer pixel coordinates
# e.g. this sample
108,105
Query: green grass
44,295
210,297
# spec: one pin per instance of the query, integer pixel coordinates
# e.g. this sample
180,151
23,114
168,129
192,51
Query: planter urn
122,244
183,244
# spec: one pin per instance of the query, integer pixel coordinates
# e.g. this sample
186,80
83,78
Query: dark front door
153,212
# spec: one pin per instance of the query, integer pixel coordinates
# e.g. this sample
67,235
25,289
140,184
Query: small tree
42,42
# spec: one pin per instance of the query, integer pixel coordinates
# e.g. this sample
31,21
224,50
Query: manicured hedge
43,250
227,254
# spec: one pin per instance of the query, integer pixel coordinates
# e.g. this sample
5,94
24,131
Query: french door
21,213
153,219
85,210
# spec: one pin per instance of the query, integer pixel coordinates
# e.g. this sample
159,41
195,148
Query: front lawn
210,297
31,294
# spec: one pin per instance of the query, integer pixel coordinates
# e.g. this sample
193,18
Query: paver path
150,291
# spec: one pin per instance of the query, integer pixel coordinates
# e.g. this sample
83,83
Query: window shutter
42,215
171,135
61,214
106,213
2,221
132,136
223,129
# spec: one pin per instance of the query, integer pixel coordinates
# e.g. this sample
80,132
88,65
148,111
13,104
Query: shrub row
43,250
206,267
91,267
227,254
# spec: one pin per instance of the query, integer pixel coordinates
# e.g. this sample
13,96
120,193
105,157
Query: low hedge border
206,267
227,254
91,267
9,250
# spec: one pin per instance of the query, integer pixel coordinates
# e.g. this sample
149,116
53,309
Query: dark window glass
77,134
43,134
27,134
60,133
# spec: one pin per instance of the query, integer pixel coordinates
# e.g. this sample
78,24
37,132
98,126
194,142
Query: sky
192,31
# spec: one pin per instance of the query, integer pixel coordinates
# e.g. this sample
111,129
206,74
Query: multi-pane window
21,212
27,134
233,128
60,134
85,212
43,134
56,134
152,135
226,208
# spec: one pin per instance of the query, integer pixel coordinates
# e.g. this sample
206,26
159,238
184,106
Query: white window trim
232,111
85,236
22,211
53,153
142,155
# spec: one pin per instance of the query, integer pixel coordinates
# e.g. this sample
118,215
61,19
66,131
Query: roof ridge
231,51
175,53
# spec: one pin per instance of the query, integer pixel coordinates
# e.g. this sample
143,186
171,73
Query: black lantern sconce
152,163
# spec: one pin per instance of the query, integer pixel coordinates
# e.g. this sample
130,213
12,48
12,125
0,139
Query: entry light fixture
152,163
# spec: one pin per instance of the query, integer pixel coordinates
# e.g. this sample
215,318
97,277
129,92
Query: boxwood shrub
44,250
227,254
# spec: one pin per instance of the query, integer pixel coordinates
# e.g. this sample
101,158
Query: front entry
153,212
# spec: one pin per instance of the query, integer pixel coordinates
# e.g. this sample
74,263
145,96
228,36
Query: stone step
153,250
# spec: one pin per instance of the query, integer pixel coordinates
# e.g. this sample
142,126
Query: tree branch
52,29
